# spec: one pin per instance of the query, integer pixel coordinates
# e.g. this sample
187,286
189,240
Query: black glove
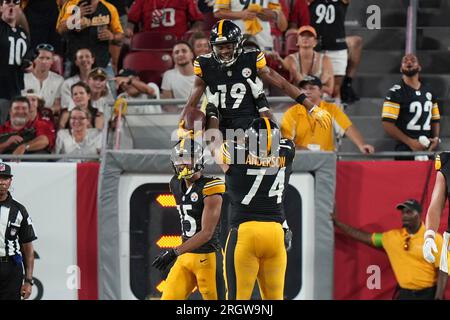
164,259
211,111
287,239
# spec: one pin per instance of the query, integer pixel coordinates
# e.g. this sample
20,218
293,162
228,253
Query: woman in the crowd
84,60
81,96
309,62
80,139
101,95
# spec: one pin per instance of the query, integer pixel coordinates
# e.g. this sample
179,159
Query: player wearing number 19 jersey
255,246
199,200
410,109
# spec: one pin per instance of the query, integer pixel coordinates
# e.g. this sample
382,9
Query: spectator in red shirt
38,109
167,16
299,16
19,135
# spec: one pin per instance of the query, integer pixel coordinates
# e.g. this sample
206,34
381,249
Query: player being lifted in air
233,72
199,201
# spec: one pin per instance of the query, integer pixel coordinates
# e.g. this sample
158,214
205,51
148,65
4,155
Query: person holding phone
77,20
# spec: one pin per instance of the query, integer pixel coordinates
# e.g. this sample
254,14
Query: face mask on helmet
187,158
226,53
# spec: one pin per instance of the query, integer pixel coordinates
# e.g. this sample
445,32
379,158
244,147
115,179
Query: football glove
164,259
182,132
258,94
428,248
287,239
213,103
321,116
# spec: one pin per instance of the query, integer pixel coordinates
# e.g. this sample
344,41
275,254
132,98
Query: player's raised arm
274,78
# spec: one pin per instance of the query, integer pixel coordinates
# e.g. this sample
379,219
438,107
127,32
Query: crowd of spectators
92,38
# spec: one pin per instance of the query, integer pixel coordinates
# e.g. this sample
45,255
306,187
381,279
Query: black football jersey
14,48
328,17
190,207
236,99
411,110
256,186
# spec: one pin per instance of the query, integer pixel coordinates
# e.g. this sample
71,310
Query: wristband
211,111
429,232
301,98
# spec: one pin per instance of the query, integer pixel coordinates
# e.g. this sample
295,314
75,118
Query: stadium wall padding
114,163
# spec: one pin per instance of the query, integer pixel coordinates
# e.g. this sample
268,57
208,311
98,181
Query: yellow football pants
204,270
255,251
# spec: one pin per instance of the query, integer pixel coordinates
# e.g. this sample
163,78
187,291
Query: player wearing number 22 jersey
411,106
255,248
199,257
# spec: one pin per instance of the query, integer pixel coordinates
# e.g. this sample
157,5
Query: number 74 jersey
411,110
256,186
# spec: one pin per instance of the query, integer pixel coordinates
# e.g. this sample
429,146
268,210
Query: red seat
150,65
290,44
58,64
149,40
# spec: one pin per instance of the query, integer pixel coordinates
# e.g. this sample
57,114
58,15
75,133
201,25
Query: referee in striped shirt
16,248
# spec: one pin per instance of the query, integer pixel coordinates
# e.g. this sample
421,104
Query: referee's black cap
5,170
410,204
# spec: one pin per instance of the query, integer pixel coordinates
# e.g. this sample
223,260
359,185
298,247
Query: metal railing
411,26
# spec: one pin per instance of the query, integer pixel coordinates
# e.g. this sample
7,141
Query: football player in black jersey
15,56
256,174
441,192
230,71
410,110
199,201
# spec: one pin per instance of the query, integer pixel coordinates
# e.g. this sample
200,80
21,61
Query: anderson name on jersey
256,186
190,207
236,99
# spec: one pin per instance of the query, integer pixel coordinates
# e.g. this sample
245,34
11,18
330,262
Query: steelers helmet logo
194,197
428,95
246,72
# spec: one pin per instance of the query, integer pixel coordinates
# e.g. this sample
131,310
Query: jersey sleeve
115,25
135,14
66,11
222,4
341,121
260,60
391,105
198,68
435,114
26,232
288,124
213,186
194,12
